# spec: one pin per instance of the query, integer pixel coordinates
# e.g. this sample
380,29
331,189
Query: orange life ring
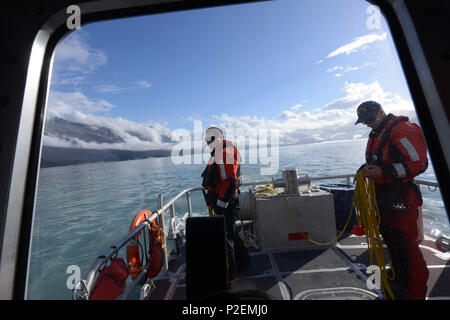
155,253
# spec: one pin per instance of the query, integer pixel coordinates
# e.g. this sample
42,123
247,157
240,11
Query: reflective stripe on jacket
403,154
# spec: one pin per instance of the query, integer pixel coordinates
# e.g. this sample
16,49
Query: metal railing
82,288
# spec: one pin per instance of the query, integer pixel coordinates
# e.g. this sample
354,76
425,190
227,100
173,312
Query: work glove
220,206
360,168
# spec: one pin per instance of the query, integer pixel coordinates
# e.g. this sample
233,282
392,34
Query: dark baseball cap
367,110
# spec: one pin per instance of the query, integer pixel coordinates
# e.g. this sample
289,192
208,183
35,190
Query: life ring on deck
155,254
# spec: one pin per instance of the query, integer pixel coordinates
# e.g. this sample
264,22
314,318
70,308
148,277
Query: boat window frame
15,236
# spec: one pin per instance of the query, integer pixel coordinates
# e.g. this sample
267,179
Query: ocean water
82,210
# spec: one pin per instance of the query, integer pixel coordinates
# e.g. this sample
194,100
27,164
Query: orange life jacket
399,148
222,173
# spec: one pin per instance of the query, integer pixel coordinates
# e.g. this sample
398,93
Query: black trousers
396,243
238,257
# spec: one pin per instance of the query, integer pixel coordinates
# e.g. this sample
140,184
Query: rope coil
368,216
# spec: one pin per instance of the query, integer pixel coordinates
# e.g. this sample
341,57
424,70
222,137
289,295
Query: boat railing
82,288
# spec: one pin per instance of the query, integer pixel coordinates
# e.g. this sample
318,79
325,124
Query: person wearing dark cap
396,152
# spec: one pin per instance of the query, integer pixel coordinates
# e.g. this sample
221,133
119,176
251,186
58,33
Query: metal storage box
312,210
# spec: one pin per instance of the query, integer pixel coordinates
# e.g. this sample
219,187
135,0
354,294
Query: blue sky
301,67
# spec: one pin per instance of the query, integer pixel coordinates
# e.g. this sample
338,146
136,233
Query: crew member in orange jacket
396,152
221,178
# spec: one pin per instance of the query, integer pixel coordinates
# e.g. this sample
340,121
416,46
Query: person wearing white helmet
221,179
213,137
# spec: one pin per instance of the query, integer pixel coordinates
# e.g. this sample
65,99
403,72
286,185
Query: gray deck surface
335,272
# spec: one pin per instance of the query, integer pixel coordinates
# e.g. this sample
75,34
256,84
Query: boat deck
334,272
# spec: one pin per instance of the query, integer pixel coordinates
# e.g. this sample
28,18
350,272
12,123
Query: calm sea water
82,210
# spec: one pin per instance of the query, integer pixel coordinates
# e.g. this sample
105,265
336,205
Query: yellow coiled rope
210,210
368,216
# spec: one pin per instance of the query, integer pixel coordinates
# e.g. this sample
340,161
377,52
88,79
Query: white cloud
143,84
350,68
77,107
64,103
335,68
74,58
358,44
334,120
113,88
76,54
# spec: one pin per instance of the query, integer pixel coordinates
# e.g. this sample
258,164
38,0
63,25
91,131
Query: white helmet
213,137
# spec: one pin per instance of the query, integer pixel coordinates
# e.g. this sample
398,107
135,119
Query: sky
299,68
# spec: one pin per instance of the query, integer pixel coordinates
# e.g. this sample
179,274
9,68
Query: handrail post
172,221
161,215
161,225
188,199
172,227
160,201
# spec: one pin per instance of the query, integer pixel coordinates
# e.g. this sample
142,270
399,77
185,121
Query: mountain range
75,133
